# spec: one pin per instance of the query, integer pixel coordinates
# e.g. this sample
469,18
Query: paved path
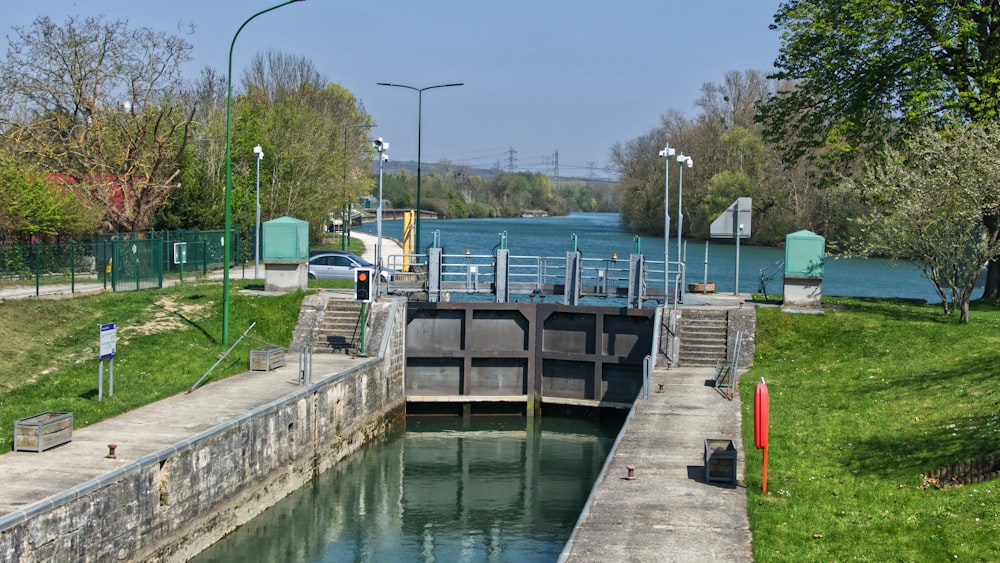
669,512
30,477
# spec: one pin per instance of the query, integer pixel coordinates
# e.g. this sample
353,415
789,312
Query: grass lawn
864,399
167,339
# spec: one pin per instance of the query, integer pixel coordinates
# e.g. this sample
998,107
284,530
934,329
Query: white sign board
108,341
734,220
180,253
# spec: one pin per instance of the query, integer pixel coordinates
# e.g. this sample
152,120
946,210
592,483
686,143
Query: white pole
256,241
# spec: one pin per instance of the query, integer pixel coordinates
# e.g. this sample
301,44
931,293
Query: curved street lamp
226,242
420,95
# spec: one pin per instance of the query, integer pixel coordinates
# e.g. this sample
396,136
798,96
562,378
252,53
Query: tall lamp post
226,243
665,154
381,146
257,150
420,96
683,160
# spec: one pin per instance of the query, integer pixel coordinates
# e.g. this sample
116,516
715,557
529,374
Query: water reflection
438,489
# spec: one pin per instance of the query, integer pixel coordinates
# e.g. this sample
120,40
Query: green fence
48,263
118,261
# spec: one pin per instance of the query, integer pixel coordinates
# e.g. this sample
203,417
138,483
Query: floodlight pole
227,242
665,154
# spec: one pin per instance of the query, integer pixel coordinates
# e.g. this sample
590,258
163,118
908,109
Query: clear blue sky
540,76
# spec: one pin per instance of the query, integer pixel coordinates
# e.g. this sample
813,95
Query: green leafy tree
932,194
858,73
32,206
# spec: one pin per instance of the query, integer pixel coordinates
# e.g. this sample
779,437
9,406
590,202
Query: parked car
338,265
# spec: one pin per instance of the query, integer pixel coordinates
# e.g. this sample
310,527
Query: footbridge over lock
507,277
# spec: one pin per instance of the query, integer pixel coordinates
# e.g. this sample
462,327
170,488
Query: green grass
864,399
167,339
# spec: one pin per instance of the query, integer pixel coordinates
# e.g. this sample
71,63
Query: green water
438,489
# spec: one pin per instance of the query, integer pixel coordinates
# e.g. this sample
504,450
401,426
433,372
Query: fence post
38,267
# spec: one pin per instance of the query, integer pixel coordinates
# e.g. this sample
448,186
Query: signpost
180,256
734,223
108,342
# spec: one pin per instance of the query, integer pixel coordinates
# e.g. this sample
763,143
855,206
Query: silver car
338,265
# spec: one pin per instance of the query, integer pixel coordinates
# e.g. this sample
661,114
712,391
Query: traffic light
363,284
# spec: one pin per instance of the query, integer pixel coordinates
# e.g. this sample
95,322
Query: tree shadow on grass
921,446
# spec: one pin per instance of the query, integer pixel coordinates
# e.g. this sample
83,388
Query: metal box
720,460
267,358
43,431
805,253
285,239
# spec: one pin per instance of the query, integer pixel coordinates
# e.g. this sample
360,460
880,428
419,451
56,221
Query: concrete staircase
703,336
340,330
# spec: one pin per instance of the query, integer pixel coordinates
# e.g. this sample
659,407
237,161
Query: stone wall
171,505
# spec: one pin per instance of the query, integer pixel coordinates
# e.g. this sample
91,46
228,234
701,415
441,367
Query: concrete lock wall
173,504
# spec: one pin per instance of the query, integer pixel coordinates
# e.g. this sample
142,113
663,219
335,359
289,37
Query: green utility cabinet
285,253
805,256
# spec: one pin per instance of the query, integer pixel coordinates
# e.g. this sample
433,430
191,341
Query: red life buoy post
761,408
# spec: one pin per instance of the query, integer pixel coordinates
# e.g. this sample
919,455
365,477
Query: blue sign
108,341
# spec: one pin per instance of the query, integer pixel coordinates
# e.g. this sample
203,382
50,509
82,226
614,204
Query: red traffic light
362,276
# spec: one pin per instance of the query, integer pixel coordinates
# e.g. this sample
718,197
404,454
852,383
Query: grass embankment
167,339
864,399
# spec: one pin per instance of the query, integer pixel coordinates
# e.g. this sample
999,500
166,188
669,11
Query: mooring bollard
111,451
631,473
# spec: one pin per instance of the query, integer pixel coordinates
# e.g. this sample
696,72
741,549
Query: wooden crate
720,460
267,358
43,431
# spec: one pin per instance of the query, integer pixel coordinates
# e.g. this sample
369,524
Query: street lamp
381,146
420,96
257,150
226,243
682,160
665,154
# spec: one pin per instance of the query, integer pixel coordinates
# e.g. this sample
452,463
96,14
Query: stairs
340,330
703,337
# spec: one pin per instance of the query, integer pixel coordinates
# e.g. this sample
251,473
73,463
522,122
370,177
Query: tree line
878,129
99,131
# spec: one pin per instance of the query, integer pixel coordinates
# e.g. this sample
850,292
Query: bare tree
100,103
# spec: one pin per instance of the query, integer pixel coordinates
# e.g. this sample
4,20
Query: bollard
660,390
631,473
111,451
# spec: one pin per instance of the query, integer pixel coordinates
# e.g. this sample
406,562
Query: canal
500,488
438,489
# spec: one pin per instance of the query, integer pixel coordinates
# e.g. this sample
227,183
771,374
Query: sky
539,77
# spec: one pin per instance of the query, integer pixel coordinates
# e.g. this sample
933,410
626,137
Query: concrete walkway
669,512
30,478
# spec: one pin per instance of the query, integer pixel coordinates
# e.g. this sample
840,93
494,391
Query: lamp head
257,150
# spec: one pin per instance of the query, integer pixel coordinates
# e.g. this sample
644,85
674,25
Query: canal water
599,235
438,489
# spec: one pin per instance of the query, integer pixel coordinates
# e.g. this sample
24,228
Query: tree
99,102
866,71
32,206
932,194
